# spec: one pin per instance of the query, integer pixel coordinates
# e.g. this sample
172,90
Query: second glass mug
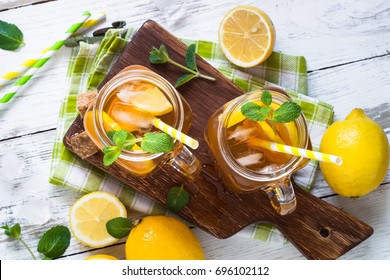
238,178
140,163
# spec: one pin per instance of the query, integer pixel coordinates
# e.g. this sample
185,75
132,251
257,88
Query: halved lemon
247,36
88,217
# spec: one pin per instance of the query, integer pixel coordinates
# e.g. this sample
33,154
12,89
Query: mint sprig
52,244
151,142
255,112
159,56
287,112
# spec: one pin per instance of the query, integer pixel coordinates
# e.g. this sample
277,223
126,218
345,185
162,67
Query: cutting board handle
320,230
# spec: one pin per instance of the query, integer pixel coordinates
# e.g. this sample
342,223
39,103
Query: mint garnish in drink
124,140
287,112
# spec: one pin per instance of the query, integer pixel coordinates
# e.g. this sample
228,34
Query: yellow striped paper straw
42,61
93,20
185,139
276,147
96,18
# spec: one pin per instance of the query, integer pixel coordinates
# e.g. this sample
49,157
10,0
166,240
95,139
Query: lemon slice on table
89,215
247,36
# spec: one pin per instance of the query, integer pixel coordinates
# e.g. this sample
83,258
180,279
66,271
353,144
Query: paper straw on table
42,61
187,140
93,20
299,152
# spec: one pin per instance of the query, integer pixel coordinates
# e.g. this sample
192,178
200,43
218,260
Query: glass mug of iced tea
138,89
243,164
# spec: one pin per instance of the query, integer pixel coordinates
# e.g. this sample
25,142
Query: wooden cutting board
318,229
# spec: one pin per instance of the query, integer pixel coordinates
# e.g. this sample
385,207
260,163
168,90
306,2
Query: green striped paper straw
7,77
93,20
45,58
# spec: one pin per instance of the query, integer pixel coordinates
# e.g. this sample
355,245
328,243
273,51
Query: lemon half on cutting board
247,36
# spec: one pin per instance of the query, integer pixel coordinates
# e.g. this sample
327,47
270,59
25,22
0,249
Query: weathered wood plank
9,4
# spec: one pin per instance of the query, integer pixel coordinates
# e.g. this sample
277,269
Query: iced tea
242,163
130,101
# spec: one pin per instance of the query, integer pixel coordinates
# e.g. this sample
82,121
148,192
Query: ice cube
270,168
11,166
250,159
125,96
35,212
130,118
241,133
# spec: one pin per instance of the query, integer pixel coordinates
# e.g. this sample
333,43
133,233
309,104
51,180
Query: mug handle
282,196
185,162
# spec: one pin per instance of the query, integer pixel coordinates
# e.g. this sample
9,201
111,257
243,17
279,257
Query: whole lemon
364,149
162,238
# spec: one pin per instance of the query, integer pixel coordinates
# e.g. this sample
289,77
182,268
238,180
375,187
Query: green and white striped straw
93,20
7,77
45,58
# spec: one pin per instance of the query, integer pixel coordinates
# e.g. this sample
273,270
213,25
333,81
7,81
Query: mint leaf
119,24
13,232
10,36
159,55
54,242
266,98
119,227
191,57
288,112
111,153
111,134
120,137
255,112
130,142
157,143
177,198
184,79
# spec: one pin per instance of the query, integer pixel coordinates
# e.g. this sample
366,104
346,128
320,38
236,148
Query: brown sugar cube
83,146
84,100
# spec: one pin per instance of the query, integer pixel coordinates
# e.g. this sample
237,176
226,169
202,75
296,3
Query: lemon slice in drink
247,36
88,217
237,117
151,100
109,123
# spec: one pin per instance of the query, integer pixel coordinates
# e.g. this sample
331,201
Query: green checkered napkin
88,66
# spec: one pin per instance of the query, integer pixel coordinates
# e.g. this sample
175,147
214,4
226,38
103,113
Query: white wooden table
347,47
